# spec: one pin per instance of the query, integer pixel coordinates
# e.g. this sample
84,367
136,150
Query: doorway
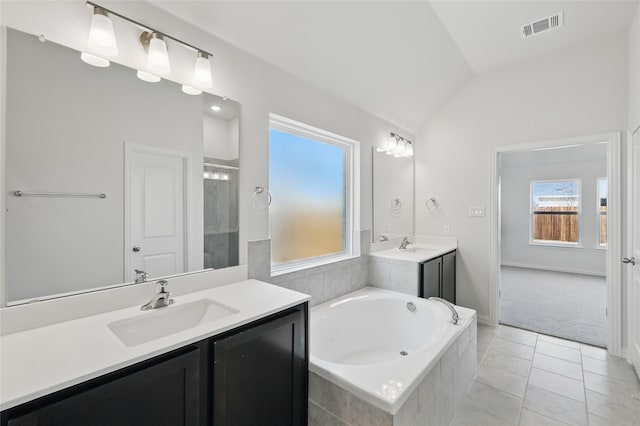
555,232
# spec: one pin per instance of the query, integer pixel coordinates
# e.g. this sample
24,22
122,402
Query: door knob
136,249
631,261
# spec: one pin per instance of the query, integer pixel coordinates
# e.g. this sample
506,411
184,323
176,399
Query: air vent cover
541,25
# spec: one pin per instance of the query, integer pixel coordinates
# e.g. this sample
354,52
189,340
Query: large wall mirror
107,175
392,196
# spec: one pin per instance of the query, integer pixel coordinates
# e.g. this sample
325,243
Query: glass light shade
190,90
158,57
94,60
148,77
400,149
202,72
391,144
408,151
102,39
215,176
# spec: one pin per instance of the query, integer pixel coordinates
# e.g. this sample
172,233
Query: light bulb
224,176
102,39
202,72
157,54
215,176
215,108
148,77
190,90
400,149
94,60
392,142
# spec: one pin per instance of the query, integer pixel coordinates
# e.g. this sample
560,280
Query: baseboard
553,268
483,319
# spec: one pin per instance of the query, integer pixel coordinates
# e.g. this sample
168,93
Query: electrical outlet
476,211
446,230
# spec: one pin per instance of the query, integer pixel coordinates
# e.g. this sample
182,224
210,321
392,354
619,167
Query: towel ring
260,190
396,205
432,204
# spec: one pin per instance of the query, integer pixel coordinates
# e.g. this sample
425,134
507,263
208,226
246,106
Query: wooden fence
556,224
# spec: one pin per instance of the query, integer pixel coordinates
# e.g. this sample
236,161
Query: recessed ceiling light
215,108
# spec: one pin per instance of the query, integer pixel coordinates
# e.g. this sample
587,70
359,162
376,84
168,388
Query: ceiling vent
542,25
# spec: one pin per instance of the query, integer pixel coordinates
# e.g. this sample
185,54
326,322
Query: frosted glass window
307,217
310,218
555,209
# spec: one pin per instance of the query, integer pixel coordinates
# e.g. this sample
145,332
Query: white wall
578,92
634,72
258,86
66,129
518,169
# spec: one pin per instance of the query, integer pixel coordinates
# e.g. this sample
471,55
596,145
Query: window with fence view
555,211
602,212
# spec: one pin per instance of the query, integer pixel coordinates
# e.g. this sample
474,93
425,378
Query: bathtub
370,344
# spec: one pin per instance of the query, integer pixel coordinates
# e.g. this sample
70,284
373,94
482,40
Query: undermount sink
161,322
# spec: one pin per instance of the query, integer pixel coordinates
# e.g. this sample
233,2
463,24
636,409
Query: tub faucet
405,242
160,299
454,313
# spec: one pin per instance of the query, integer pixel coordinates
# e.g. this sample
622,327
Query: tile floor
528,379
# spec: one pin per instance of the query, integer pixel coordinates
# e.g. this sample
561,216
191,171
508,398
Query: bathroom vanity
246,367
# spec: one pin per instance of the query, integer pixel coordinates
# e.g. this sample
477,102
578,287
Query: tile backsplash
324,282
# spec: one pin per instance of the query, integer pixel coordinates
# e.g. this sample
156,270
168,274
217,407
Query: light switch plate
446,230
476,211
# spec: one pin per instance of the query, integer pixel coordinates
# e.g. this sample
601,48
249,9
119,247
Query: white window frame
567,244
598,245
352,192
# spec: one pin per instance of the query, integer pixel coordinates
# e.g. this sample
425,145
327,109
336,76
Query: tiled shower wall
324,282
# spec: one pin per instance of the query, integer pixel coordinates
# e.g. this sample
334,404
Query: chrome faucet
141,276
160,299
405,242
454,313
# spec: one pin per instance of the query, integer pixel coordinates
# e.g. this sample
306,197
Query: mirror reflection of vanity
392,196
114,175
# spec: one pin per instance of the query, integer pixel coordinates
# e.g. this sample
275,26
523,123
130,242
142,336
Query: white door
635,254
155,197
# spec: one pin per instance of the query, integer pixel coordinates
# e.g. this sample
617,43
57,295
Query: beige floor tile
557,365
599,421
617,410
513,348
558,351
555,406
531,418
517,335
485,406
559,341
502,380
614,367
594,352
562,385
608,386
485,330
507,362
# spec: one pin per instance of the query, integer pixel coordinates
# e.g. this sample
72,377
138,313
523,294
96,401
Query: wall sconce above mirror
397,146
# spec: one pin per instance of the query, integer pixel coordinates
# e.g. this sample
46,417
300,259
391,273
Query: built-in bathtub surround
323,283
374,362
398,270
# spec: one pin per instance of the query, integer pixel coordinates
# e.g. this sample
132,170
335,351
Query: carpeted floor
570,306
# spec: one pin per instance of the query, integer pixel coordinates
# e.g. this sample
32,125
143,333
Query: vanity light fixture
102,43
398,146
202,71
190,90
148,77
157,53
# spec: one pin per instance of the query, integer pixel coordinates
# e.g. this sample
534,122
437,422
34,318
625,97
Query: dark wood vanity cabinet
254,375
438,277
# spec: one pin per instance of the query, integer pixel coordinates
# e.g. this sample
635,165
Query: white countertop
418,252
40,361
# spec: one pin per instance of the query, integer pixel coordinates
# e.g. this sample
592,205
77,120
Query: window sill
557,245
600,247
287,269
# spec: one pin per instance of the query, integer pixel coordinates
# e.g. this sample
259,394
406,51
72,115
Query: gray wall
67,123
518,170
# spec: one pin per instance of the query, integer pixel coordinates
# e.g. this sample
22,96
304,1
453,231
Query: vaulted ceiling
399,60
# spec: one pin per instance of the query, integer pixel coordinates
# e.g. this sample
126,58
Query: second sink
172,319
